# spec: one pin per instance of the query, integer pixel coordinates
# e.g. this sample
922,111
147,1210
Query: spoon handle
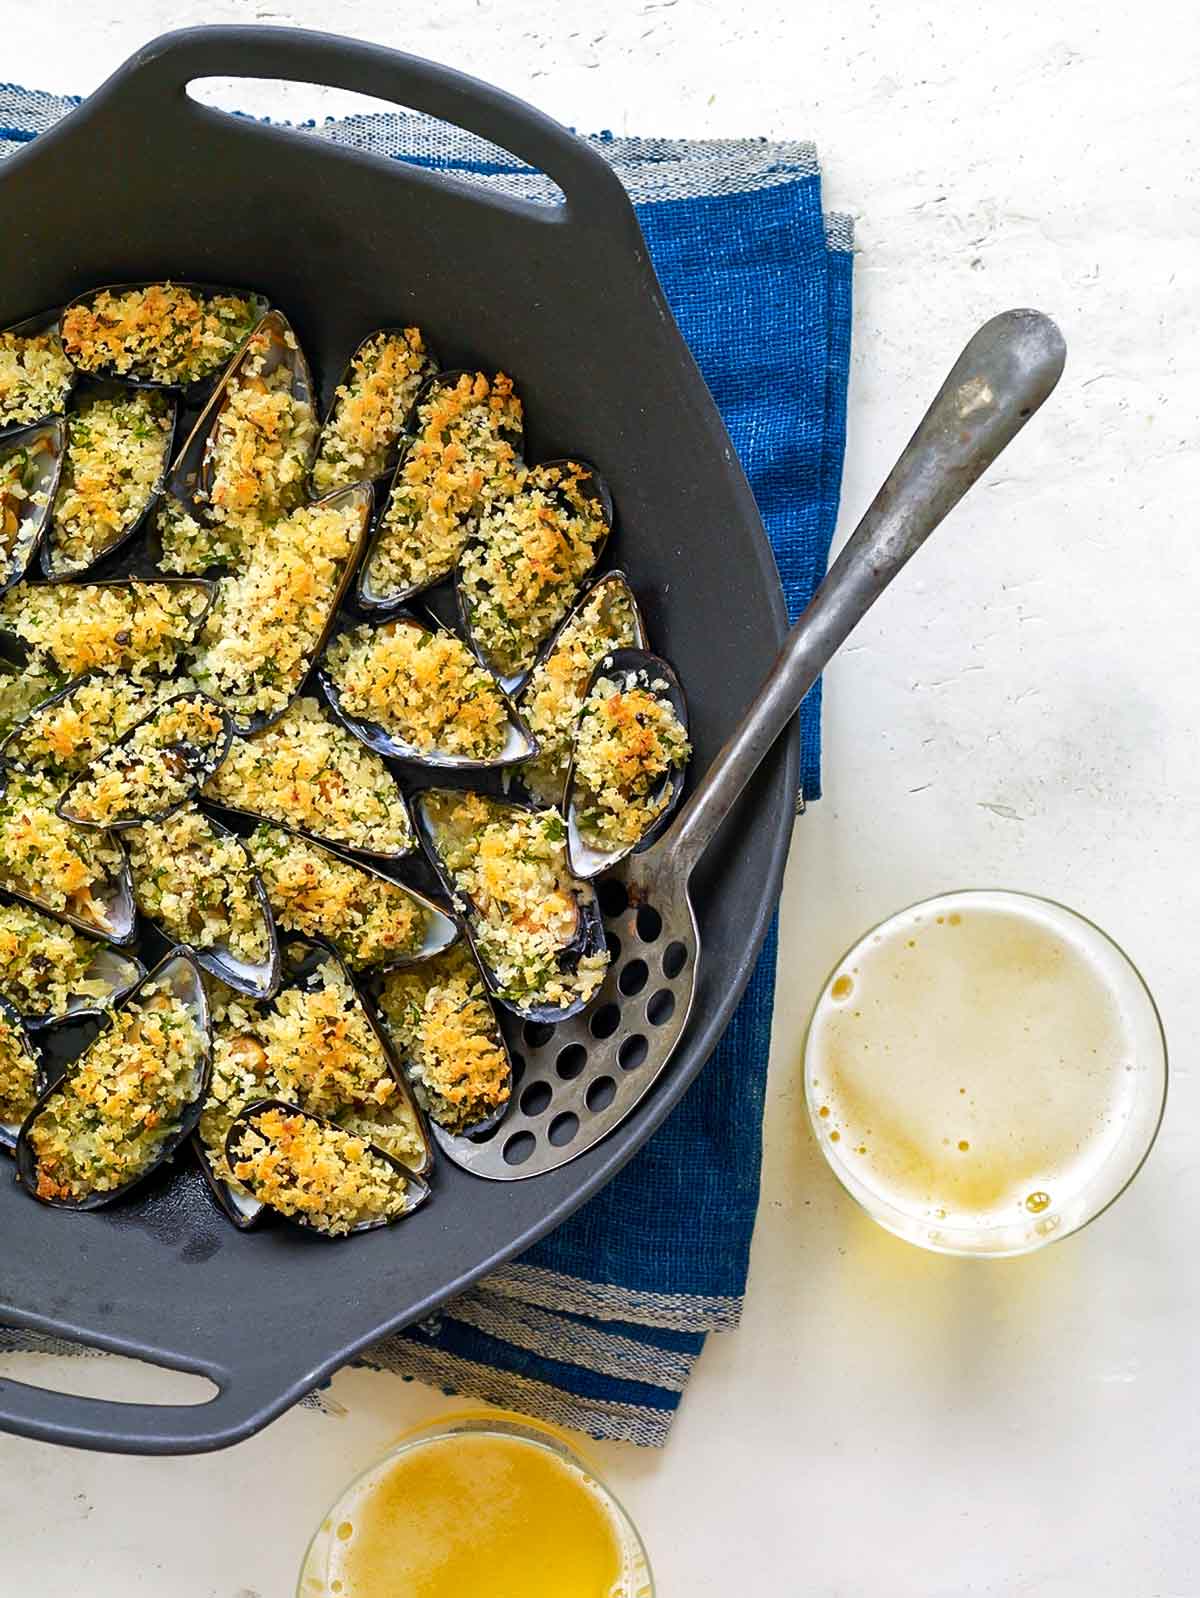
1005,372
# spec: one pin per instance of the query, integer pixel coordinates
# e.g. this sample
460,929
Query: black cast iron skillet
143,182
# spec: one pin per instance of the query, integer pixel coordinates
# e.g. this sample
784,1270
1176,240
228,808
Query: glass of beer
985,1072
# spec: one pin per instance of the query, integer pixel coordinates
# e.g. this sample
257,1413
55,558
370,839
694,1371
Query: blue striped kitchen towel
599,1325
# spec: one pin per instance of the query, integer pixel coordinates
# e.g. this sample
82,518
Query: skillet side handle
117,1428
1003,375
161,70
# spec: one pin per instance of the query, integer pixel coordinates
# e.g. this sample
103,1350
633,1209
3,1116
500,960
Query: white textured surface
1020,712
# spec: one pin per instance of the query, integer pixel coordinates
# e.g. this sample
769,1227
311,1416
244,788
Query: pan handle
162,69
110,1426
1008,368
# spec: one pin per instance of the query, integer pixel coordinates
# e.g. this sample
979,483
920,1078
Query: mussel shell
584,860
201,385
588,939
190,474
179,970
520,746
597,490
10,1130
363,494
302,959
366,597
388,470
239,1208
351,849
120,971
121,924
33,519
486,1123
47,549
254,981
13,647
417,1188
202,770
30,327
441,929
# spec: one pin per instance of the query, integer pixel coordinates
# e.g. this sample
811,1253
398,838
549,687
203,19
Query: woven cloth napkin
599,1325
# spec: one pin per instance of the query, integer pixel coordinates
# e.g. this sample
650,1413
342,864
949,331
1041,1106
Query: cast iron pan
144,182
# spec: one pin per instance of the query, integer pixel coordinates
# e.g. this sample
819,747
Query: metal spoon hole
519,1147
563,1128
674,959
614,945
649,923
535,1098
661,1007
613,898
600,1093
536,1033
571,1061
632,1052
633,977
605,1021
518,1068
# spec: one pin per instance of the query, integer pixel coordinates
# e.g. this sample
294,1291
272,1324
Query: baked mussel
247,459
66,732
605,618
21,1076
310,774
271,619
194,879
415,692
628,761
522,570
317,1175
535,929
30,467
123,1107
159,334
447,1036
463,450
315,1046
50,971
360,437
373,921
36,378
154,769
76,873
139,626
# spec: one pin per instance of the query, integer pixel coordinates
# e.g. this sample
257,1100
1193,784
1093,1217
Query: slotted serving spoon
585,1075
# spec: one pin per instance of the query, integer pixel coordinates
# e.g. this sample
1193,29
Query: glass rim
527,1429
953,1230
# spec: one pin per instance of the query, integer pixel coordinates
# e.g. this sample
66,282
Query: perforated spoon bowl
593,1069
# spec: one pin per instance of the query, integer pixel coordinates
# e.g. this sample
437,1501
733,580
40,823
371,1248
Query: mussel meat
416,693
315,1174
629,760
77,874
21,1078
464,451
36,378
361,435
536,930
159,335
606,618
130,1099
50,971
448,1040
153,769
372,920
195,880
522,570
310,774
270,620
30,467
118,446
